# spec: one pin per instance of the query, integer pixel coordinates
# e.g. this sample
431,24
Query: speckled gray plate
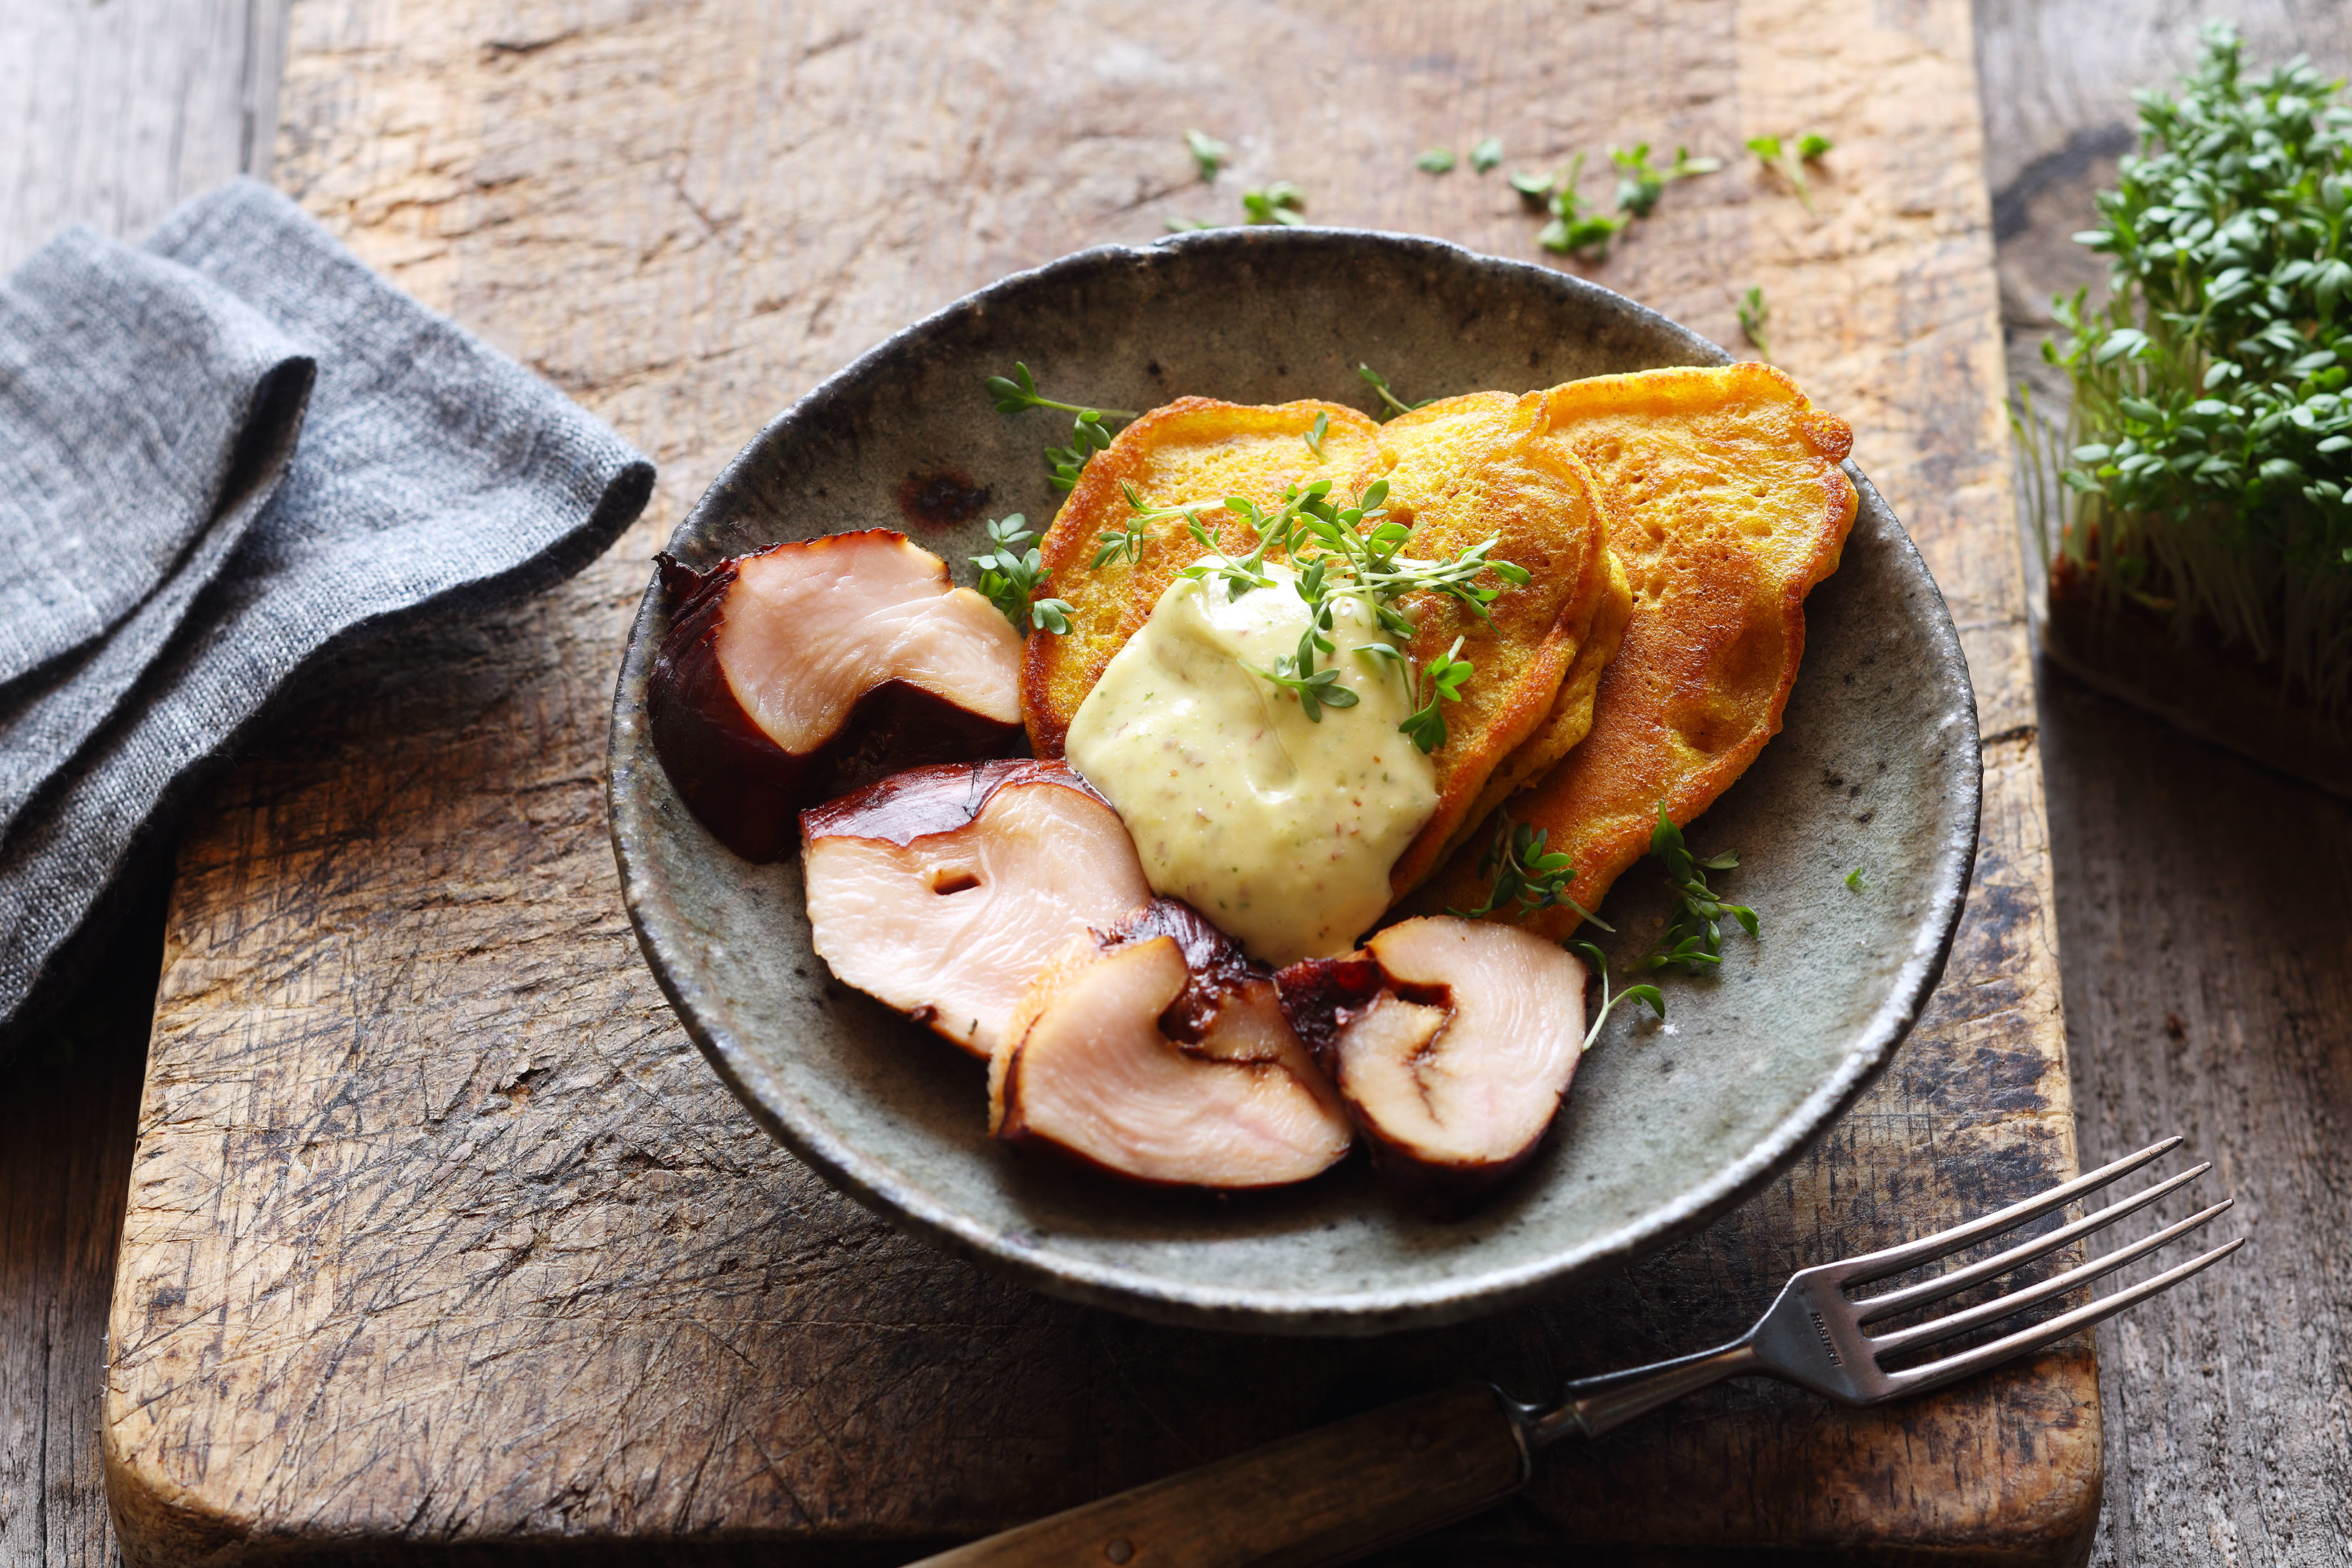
1668,1126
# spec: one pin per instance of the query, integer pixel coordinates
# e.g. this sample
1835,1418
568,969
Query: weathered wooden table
480,169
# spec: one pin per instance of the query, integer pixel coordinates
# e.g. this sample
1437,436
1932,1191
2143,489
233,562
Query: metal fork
1339,1491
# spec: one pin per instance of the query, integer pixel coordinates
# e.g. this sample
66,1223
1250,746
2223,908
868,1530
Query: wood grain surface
67,1107
109,113
439,1233
2208,956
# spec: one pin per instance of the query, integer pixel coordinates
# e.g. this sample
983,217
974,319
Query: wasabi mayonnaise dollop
1279,828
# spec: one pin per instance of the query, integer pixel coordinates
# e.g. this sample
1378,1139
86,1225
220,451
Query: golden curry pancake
1193,449
1571,719
1430,452
1425,455
1727,505
1464,471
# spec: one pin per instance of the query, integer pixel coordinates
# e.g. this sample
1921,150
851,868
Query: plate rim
1234,1308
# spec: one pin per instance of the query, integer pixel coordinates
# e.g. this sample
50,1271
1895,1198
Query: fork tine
1895,1259
1914,1379
2000,1307
1943,1285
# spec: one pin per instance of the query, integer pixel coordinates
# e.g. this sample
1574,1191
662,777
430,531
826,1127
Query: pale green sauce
1281,830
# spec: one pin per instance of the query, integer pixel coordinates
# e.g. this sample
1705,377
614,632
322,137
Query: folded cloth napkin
221,454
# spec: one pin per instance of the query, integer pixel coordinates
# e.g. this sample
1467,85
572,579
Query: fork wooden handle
1325,1496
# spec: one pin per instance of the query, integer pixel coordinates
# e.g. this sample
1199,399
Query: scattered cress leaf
1280,202
1439,679
1754,315
1380,383
1789,158
1018,392
1525,876
1012,571
1436,161
1487,155
1575,226
1648,994
1209,154
1640,185
1693,939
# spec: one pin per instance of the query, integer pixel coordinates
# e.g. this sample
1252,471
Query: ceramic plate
1667,1126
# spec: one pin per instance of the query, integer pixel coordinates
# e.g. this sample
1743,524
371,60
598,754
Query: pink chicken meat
943,890
817,666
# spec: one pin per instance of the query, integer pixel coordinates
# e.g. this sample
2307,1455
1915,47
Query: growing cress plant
2206,469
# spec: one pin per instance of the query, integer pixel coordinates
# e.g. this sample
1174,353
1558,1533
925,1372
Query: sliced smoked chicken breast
942,890
1451,1041
1159,1052
817,666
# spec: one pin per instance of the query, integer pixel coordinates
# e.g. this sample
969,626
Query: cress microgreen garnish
1209,154
1127,543
1089,434
1853,878
1693,939
1755,314
1647,993
1522,872
1790,156
2208,472
1011,575
1640,185
1295,673
1280,202
1354,551
1019,391
1397,406
1315,435
1439,678
1436,161
1487,155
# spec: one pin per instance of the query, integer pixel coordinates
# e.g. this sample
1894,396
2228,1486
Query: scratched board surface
440,1234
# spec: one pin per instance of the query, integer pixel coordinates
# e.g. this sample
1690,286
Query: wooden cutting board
441,1234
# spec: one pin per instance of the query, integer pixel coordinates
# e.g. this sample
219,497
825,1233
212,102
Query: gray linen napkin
178,536
115,512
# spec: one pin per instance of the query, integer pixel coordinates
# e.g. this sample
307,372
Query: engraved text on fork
1827,1347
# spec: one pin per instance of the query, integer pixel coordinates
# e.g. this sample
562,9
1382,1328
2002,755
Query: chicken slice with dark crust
1452,1042
1159,1052
815,666
942,891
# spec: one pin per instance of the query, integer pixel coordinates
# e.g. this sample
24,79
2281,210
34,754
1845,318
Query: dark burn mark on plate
942,500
